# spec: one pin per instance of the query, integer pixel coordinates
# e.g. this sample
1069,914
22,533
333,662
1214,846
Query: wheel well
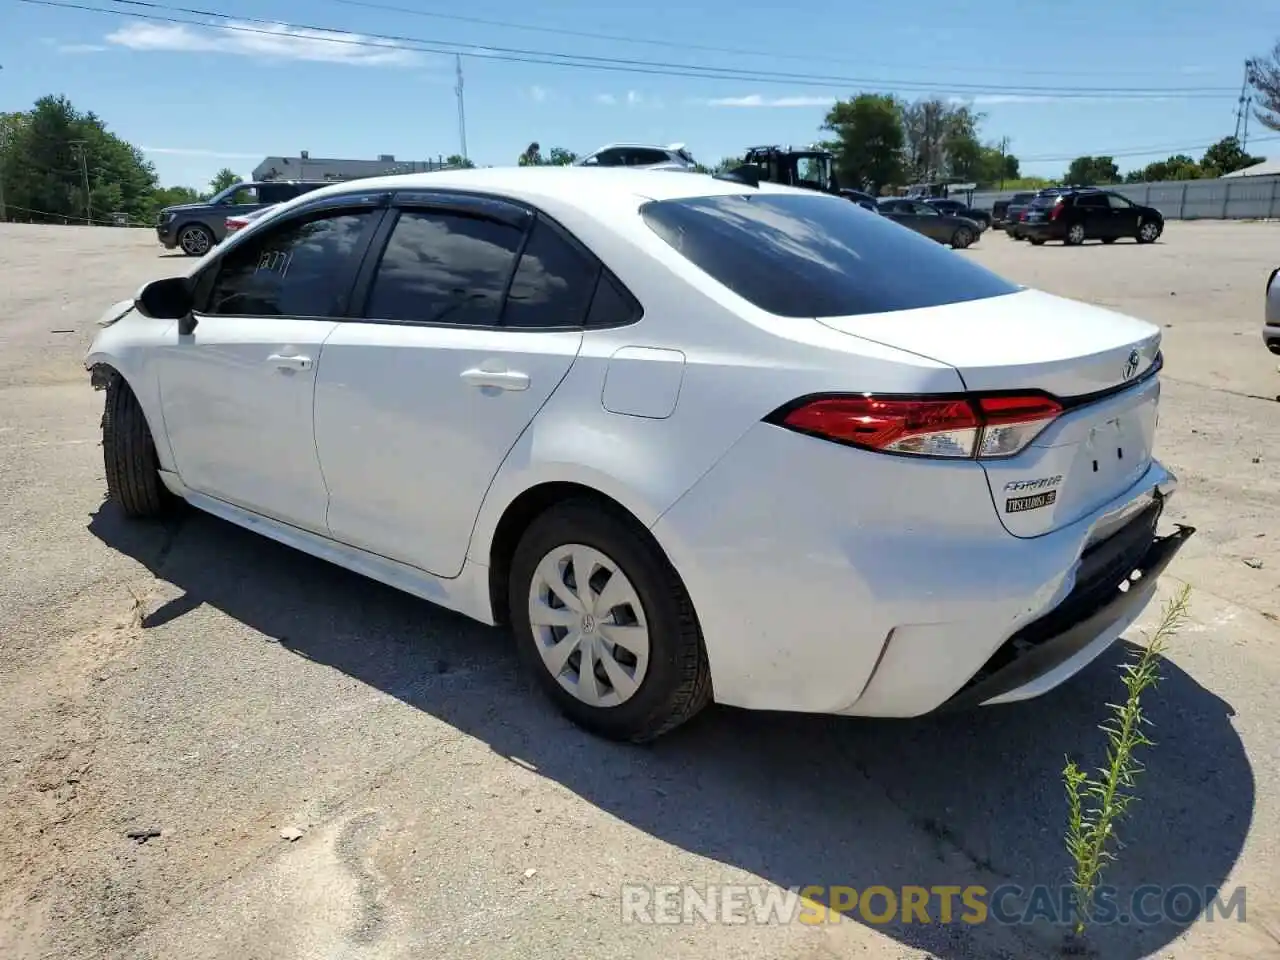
521,512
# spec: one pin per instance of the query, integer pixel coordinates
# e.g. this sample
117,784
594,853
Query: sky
352,79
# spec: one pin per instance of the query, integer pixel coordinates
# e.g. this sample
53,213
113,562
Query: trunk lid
1097,362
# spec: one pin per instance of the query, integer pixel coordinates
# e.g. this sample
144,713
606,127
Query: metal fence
1236,198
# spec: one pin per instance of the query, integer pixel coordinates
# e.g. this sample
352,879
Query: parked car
959,232
1074,216
195,228
242,220
1271,318
956,208
691,440
638,155
1000,209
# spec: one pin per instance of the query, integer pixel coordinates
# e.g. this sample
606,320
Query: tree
560,157
1091,171
1226,156
532,156
869,140
224,178
459,162
1264,77
52,152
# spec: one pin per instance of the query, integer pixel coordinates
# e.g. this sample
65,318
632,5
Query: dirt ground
196,680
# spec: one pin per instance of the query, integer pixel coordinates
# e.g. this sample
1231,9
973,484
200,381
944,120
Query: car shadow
953,800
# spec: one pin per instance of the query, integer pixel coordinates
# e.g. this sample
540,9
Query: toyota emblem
1131,364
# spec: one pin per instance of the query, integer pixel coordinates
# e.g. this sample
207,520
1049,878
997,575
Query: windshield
222,195
816,256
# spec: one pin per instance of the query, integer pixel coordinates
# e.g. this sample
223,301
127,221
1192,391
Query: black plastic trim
1078,621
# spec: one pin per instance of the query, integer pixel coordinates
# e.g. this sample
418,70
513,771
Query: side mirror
167,299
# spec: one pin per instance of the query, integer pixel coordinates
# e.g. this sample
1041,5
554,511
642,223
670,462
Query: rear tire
962,238
129,455
1075,235
662,685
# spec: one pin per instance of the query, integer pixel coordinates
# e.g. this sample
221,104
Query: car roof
571,185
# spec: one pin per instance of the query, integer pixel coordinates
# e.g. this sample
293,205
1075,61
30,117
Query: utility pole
77,147
1004,150
1244,102
4,152
462,110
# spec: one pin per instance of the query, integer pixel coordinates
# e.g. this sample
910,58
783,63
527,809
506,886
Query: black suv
1003,212
1076,215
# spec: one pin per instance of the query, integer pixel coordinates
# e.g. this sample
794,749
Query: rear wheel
1075,235
129,455
604,622
1148,232
962,238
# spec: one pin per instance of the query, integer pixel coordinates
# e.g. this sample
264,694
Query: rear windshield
1044,201
816,255
1022,197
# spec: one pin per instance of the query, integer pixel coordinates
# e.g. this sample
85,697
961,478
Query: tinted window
298,270
443,267
553,284
816,256
612,306
1118,202
1091,200
636,157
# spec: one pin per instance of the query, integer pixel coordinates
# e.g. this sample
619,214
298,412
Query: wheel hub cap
588,623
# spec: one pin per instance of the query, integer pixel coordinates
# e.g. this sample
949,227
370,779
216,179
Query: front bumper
1115,582
167,235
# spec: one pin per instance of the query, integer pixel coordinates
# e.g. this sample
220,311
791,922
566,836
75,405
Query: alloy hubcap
1148,231
589,625
194,241
1077,233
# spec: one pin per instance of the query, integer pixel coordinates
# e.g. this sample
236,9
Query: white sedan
692,440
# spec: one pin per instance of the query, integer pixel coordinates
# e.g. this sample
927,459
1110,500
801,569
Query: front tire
1148,232
129,455
588,586
962,238
195,240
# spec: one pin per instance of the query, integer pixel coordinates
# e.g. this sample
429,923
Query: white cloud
537,94
632,98
198,152
996,99
274,42
608,99
80,48
755,100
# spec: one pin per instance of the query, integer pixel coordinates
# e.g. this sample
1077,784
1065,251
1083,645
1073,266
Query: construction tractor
811,167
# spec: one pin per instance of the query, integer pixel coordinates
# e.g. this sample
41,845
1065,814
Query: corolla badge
1131,365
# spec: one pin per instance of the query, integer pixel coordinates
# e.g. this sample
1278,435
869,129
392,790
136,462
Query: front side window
553,284
299,269
443,267
1118,202
816,256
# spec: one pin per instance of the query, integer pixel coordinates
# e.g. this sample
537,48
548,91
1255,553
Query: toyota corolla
692,440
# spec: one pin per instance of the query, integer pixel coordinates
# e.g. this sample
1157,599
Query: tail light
230,224
1057,209
982,426
1022,215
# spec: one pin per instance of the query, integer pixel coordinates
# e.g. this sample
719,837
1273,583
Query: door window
1091,201
1118,202
552,287
444,268
301,269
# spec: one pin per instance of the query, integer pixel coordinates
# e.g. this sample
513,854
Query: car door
1124,216
1094,212
237,391
930,222
468,321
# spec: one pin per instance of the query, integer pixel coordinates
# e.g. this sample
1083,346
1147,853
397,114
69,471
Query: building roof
1269,167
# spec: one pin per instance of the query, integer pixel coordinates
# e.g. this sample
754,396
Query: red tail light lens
1057,209
961,427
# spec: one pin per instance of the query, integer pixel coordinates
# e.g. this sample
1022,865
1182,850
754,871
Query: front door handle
501,379
290,361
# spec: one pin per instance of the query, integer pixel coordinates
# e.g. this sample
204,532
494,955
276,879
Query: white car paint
824,577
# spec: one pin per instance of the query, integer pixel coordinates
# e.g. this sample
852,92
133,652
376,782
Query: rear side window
443,268
816,256
612,305
552,287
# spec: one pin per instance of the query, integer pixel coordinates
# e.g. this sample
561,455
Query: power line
678,45
1135,151
615,64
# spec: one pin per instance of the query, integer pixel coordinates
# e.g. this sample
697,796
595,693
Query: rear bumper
1116,582
1044,231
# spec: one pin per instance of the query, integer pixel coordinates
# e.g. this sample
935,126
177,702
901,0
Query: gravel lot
200,681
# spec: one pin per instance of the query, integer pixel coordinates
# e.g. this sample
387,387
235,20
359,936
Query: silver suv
639,155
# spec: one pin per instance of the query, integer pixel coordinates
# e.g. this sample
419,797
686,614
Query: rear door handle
290,361
502,379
